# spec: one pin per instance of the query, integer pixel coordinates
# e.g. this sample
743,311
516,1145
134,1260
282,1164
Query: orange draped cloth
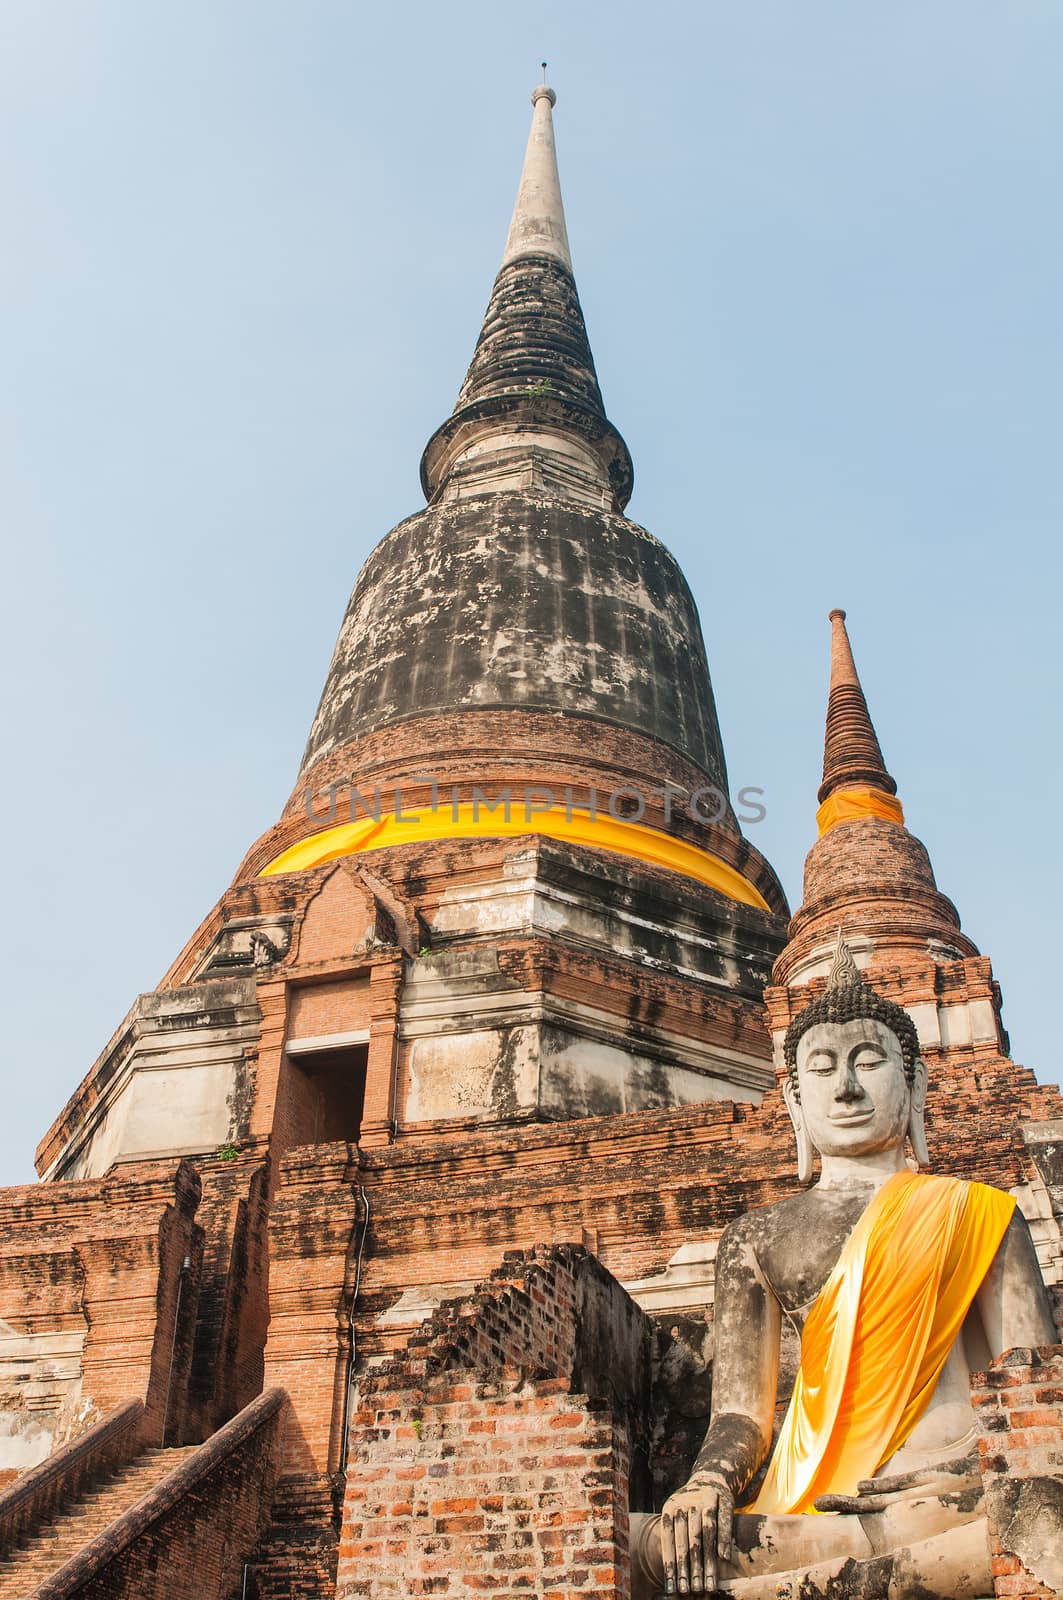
879,1332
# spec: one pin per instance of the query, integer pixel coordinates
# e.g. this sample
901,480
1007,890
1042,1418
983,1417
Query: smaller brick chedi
375,1255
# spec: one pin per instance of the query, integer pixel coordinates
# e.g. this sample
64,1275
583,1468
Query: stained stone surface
520,600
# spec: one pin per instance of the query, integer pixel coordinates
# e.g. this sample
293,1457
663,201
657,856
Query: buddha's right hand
696,1532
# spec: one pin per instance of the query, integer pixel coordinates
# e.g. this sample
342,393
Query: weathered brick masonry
1019,1402
97,1271
497,1453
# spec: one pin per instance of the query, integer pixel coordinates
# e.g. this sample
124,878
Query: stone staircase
42,1552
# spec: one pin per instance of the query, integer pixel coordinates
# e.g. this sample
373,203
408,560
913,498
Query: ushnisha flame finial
844,970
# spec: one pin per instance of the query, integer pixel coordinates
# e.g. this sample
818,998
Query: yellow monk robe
879,1332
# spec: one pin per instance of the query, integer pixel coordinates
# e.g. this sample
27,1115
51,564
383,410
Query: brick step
49,1546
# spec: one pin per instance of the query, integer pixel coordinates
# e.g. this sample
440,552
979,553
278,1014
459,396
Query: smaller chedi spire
866,874
855,780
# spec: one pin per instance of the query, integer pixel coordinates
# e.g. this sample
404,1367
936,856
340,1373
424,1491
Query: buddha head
856,1084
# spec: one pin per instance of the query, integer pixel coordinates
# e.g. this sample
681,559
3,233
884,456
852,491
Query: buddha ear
804,1143
916,1124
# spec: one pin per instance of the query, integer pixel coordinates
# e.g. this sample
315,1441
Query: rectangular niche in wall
327,1090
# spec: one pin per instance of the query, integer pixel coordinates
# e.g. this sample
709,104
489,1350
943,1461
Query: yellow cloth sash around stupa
879,1332
855,802
476,820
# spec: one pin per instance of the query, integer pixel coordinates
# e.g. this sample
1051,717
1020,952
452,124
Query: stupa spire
866,875
852,756
538,225
530,413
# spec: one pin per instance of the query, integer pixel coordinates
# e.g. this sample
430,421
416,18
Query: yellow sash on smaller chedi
879,1333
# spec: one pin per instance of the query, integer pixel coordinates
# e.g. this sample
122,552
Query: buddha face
854,1096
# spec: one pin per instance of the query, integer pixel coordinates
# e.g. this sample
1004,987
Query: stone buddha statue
899,1285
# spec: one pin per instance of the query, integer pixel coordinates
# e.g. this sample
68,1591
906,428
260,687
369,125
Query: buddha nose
848,1086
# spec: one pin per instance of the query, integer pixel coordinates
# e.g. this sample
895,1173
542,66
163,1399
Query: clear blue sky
246,252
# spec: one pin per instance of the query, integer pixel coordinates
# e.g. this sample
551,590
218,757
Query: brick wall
325,1008
497,1452
233,1311
552,1310
299,1109
1019,1403
505,1486
312,1242
107,1255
